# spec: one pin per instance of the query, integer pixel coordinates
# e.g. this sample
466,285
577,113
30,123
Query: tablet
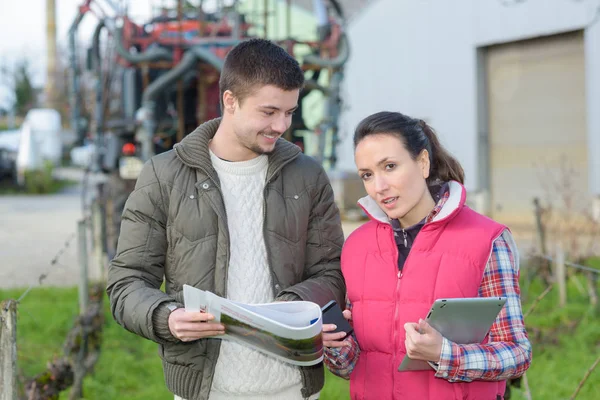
462,321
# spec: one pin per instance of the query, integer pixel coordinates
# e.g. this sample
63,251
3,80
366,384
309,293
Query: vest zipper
398,285
396,296
405,241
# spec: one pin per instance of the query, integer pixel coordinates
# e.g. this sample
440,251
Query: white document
289,330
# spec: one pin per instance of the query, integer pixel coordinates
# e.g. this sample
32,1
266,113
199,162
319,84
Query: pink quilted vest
447,260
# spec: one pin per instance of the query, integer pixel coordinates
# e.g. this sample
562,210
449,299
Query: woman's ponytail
444,167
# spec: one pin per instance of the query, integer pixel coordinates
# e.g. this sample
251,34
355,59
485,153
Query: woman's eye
365,176
390,167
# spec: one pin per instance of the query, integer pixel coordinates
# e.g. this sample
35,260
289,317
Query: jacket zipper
274,283
210,378
218,186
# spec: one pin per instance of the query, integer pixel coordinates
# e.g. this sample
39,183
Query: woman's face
392,178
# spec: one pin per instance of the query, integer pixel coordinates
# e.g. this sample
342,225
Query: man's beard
260,151
255,147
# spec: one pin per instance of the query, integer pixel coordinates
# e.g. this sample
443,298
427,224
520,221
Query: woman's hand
422,341
335,339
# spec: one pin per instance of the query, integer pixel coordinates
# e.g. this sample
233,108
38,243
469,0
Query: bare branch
587,375
537,300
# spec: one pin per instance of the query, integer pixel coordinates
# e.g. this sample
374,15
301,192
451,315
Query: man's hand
422,341
188,326
335,339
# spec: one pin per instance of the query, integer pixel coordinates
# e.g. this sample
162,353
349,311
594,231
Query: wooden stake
8,350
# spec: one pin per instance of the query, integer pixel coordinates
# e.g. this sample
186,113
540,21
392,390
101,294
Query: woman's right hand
335,339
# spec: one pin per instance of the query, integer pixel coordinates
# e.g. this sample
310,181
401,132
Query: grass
129,366
54,186
566,343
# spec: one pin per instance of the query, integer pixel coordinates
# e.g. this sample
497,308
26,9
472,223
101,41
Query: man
238,211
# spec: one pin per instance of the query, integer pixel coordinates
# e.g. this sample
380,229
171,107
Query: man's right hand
188,326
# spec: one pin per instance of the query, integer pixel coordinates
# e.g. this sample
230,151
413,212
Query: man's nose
281,124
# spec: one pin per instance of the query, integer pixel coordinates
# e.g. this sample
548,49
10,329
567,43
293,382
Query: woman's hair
416,136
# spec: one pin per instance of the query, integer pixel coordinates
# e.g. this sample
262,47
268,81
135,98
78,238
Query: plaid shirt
508,351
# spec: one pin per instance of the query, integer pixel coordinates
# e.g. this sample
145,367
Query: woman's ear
424,163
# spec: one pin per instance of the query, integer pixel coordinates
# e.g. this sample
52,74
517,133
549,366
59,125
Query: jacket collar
455,202
193,150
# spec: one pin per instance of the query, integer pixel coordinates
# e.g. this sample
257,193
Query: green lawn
129,366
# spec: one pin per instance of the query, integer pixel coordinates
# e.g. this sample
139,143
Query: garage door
537,122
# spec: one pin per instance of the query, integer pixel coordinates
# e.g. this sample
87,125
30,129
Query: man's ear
424,163
229,102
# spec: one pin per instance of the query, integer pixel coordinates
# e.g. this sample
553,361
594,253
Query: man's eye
269,113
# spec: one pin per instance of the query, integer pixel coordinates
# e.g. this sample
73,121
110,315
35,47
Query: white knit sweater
242,372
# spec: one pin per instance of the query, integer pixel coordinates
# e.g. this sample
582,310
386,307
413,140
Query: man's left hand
422,341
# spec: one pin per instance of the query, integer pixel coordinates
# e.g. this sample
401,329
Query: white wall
420,58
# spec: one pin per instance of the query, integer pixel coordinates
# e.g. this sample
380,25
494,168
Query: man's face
261,118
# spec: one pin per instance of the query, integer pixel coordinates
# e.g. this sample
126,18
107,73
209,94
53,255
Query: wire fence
570,264
53,262
81,345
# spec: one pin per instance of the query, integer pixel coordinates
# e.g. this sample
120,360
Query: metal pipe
330,121
188,61
74,95
99,110
208,56
311,84
152,54
334,110
342,57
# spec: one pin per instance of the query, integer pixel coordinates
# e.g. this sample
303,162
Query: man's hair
255,63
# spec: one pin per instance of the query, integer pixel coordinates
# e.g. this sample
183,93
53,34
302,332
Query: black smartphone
332,314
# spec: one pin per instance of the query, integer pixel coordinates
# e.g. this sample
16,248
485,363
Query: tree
25,94
17,81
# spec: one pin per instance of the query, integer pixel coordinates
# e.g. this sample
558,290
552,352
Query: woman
422,243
